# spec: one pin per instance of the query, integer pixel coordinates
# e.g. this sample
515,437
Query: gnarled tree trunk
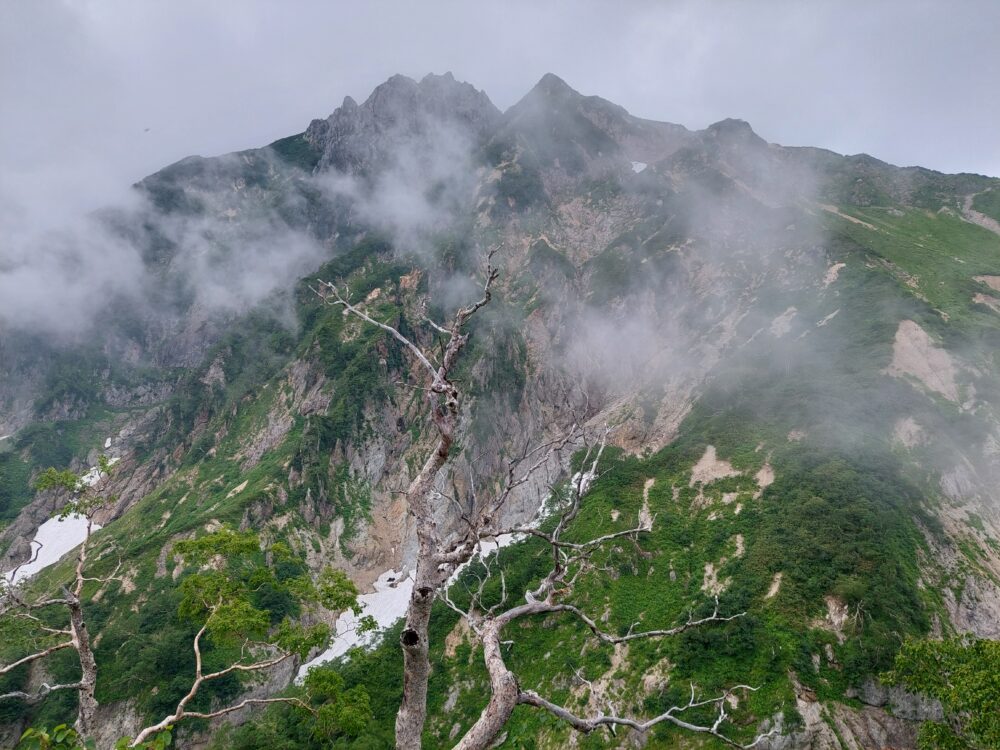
87,706
504,693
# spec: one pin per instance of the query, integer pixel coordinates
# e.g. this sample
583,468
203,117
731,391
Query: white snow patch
387,604
638,166
107,443
828,318
391,597
57,536
91,477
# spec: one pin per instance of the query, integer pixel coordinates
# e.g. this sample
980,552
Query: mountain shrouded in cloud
793,351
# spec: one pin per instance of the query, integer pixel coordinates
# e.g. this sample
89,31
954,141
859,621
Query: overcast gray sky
81,81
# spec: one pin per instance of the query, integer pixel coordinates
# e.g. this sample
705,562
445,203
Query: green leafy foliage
297,151
935,256
53,478
341,711
71,381
964,674
159,741
45,444
233,594
84,498
988,202
65,737
15,491
340,717
838,522
60,737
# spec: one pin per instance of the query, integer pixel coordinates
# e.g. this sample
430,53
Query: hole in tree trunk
410,637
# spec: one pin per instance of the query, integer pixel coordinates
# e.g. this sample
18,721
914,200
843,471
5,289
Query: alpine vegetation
440,426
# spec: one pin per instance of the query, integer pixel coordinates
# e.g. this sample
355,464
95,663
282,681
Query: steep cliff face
795,349
366,138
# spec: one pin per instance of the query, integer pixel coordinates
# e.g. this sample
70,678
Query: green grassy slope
848,520
847,517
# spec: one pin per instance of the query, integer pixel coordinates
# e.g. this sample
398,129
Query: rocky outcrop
916,355
975,608
132,480
835,726
901,703
630,288
365,138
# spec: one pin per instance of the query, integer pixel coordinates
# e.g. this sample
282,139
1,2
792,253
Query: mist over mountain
793,351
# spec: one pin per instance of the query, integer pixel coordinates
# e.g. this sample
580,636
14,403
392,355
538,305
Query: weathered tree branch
43,691
200,678
587,725
431,574
569,561
244,704
329,292
4,669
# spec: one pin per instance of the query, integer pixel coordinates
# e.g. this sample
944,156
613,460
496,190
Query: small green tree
60,737
228,570
64,737
29,625
240,631
964,674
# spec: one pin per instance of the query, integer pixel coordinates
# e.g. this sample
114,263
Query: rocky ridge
647,287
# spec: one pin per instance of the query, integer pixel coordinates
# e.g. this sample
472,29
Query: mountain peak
733,132
446,77
550,83
359,136
730,125
551,87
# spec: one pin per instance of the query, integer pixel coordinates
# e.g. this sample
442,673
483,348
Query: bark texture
87,706
435,559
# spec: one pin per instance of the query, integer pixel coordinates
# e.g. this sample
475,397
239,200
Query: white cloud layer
97,95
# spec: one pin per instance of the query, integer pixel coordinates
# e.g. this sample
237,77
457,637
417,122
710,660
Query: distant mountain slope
797,351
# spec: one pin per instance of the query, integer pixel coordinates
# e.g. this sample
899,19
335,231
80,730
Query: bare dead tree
570,560
440,554
19,606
